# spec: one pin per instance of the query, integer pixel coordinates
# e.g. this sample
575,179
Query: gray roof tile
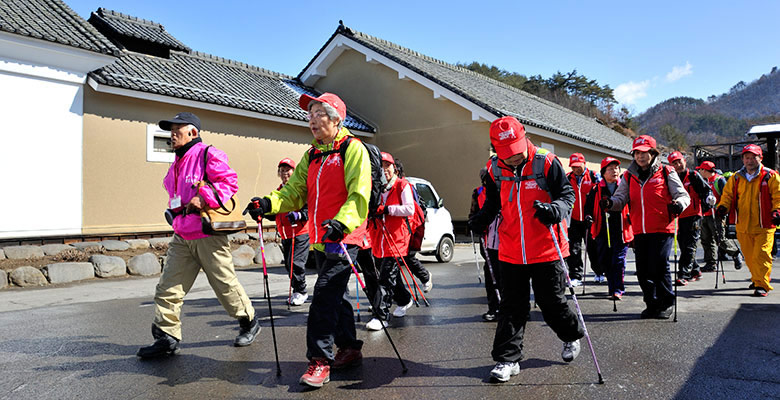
495,97
209,79
118,24
52,21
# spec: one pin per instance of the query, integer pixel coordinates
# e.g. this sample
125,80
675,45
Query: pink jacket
185,172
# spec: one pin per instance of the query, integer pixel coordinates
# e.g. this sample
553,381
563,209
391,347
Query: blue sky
647,52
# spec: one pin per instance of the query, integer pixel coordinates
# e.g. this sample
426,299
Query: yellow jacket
748,193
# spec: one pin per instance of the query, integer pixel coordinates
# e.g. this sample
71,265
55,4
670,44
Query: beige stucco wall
436,139
123,192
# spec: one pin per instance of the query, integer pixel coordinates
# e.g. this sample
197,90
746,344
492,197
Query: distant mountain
684,121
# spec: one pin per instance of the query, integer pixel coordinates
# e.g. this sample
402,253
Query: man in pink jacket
190,249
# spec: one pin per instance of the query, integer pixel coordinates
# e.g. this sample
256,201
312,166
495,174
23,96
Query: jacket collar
343,133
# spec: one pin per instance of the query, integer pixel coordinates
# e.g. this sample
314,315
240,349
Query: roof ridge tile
240,64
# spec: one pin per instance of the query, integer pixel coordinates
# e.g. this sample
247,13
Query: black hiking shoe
738,261
247,332
709,267
648,313
164,345
664,313
490,316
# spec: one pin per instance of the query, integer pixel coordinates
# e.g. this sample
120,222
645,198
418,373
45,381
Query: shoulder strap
342,149
208,182
537,169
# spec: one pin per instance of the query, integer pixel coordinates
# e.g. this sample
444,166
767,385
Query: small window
158,145
548,146
426,196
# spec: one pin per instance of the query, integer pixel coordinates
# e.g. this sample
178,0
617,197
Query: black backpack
378,180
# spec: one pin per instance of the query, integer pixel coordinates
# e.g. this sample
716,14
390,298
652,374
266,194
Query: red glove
380,210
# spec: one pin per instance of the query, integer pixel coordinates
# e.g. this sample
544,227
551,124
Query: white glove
711,201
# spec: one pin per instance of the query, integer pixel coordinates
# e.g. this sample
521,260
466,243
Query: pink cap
751,148
507,135
676,155
387,157
576,160
287,161
609,160
327,98
643,143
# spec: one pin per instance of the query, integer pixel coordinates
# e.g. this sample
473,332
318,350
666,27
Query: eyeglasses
316,114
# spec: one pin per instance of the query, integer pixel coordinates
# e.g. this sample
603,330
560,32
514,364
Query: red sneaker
317,374
695,276
347,358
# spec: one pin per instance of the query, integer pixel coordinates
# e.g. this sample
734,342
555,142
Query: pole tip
405,370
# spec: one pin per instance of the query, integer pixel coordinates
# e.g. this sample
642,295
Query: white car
439,237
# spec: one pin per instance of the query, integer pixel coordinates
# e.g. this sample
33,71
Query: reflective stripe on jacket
756,199
185,172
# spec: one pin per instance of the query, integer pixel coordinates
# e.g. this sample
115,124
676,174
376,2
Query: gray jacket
675,185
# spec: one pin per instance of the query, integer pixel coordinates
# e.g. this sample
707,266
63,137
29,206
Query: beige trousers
185,259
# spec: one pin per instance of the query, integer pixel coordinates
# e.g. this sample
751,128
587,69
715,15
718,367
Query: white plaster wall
40,156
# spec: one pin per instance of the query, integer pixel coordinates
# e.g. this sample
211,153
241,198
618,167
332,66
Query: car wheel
445,250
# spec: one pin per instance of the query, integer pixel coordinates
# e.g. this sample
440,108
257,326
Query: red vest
764,200
648,203
581,190
595,229
285,228
327,192
390,235
695,207
523,238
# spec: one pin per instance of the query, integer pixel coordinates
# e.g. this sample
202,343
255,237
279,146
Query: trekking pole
411,276
265,281
585,267
609,249
292,263
374,309
718,266
476,260
675,269
576,303
357,298
490,269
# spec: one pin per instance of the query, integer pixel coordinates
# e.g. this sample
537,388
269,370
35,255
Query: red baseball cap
609,160
675,155
707,165
327,98
387,157
286,161
751,148
643,143
507,135
576,160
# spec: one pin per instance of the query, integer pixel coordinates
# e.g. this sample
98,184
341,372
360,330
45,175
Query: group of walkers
349,204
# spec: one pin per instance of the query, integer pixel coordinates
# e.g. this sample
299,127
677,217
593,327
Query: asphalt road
80,341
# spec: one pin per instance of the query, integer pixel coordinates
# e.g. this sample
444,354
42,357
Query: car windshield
426,195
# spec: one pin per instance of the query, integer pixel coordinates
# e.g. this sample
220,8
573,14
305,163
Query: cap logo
640,141
507,134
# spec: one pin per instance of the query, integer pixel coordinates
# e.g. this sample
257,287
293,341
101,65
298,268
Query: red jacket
648,205
581,191
523,238
695,207
599,191
390,234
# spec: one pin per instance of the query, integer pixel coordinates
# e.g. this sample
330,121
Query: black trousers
492,270
549,282
687,237
298,261
368,267
392,287
331,318
651,251
417,268
578,231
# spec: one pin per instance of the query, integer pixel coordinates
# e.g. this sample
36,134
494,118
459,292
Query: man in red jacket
526,249
582,180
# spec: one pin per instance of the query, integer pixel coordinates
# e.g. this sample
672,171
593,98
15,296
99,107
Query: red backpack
416,223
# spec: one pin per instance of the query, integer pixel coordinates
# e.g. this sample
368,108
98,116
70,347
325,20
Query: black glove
257,207
605,203
721,212
776,217
476,227
335,230
380,211
588,221
293,216
545,213
674,208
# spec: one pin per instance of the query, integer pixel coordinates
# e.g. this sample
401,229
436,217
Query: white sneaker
375,325
428,285
299,298
570,350
400,311
576,282
504,370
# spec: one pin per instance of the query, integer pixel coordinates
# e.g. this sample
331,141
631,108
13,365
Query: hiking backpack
537,173
416,223
378,180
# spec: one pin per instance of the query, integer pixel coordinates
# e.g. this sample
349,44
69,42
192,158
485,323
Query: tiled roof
125,25
209,79
53,21
495,97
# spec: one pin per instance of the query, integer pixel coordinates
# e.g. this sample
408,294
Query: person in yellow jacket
334,178
753,193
